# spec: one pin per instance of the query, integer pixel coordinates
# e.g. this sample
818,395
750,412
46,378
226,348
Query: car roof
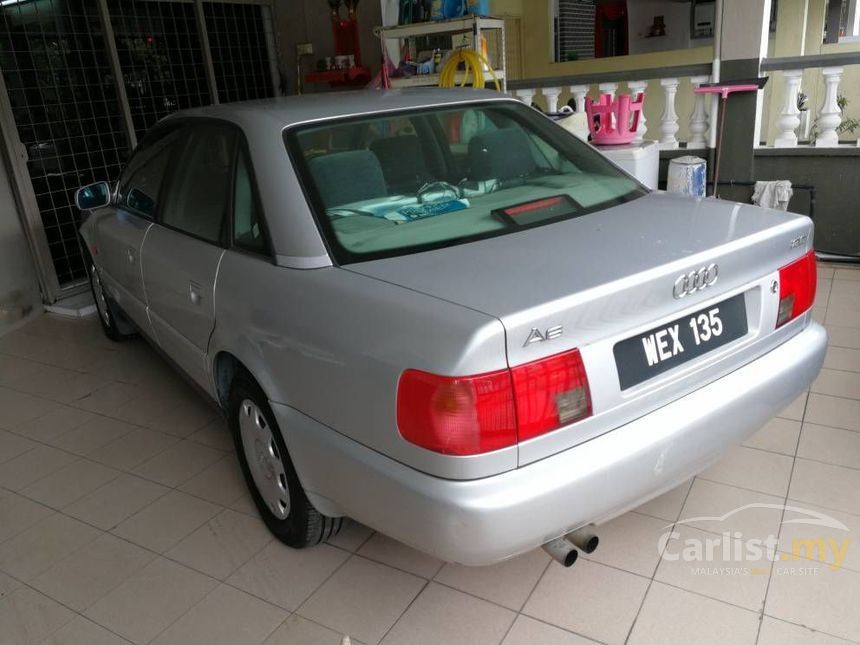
285,111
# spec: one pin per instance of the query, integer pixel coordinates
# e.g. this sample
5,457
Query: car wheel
107,310
269,472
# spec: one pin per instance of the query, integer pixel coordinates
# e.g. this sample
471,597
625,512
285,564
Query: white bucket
687,176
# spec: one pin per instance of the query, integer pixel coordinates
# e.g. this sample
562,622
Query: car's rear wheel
107,310
269,472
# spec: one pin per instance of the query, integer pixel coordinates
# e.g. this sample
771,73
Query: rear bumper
486,520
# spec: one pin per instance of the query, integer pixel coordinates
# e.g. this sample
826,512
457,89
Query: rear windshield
406,182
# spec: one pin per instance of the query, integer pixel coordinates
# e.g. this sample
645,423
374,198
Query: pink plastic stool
617,121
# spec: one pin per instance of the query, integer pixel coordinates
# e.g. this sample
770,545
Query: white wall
640,17
19,290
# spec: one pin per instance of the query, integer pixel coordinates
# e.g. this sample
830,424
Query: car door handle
194,293
130,254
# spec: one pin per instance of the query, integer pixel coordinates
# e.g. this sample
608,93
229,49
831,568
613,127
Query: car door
121,232
185,246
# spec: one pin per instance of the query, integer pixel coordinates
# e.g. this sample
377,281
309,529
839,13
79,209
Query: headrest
500,154
401,158
346,177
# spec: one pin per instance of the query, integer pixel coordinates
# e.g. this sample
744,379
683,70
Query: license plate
662,348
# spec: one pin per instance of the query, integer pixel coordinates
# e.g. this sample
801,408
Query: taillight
550,393
797,284
469,415
457,415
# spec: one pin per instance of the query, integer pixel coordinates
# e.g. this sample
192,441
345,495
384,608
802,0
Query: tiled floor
123,518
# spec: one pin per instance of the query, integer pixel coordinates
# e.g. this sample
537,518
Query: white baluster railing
699,117
635,88
552,94
830,116
608,88
669,121
526,96
789,117
579,93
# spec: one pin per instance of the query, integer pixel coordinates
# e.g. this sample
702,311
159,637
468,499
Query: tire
113,325
269,471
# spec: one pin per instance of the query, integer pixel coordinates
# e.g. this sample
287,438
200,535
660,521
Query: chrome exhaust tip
583,539
561,551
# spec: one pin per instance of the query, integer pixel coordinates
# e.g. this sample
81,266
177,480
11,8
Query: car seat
402,161
347,177
500,155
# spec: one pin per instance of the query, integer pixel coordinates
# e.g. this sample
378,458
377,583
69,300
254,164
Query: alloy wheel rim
101,302
264,459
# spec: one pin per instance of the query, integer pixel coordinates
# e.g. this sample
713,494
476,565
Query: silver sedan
440,314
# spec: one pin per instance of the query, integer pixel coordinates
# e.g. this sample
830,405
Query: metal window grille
240,55
62,96
58,69
161,58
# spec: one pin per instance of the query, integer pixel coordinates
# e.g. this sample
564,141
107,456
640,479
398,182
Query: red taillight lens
457,415
550,393
469,415
797,283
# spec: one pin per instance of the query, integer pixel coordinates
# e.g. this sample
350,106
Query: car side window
140,184
248,230
198,199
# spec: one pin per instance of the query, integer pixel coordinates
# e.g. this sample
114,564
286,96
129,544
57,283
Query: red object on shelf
341,77
346,38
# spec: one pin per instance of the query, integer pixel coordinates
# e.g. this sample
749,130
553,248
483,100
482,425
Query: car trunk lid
593,281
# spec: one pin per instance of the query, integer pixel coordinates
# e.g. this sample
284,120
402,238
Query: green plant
848,125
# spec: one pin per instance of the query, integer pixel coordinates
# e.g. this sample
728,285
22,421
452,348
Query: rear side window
199,196
399,183
248,230
140,184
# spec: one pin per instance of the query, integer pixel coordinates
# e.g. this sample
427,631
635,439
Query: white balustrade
526,96
669,120
608,88
699,116
552,94
579,93
637,87
830,116
789,116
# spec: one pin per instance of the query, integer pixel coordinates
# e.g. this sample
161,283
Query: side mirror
93,196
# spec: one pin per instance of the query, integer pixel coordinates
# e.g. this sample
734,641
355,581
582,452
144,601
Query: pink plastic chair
614,122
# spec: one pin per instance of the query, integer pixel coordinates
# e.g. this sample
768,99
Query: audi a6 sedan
438,313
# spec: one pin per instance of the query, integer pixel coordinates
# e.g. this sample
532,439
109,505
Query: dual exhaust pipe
564,549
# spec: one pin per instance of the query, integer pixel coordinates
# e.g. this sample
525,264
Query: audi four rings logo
696,280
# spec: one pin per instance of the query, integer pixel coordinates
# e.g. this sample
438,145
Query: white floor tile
287,577
150,600
166,521
778,435
443,615
593,600
223,544
671,615
757,470
91,572
27,617
363,599
226,616
508,583
44,544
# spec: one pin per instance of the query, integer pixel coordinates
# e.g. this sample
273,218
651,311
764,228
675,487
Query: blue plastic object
452,8
478,7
